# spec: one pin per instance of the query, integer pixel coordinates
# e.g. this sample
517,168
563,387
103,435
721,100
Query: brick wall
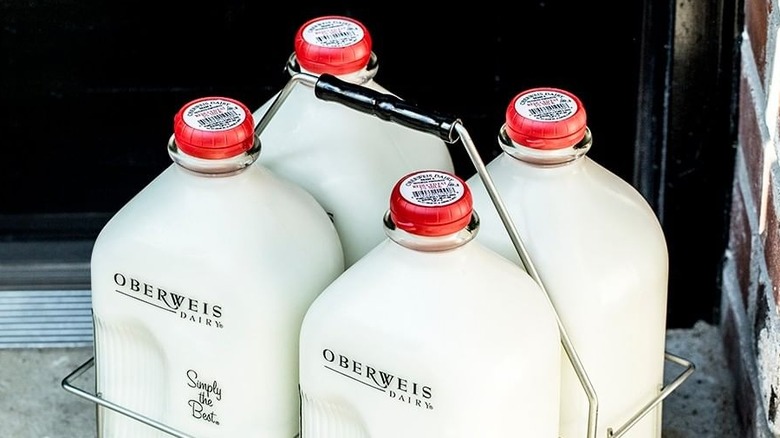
751,275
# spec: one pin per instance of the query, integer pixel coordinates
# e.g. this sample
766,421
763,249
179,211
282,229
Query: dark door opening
90,90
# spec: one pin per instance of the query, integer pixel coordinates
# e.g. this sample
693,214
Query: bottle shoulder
583,178
179,202
396,270
473,299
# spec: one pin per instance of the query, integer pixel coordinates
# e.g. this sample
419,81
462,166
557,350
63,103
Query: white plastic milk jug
430,334
599,250
199,285
347,159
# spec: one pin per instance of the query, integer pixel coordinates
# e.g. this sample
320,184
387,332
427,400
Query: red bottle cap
333,44
546,118
214,128
431,203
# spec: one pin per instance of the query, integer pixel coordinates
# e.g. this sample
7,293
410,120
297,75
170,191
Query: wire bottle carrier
451,130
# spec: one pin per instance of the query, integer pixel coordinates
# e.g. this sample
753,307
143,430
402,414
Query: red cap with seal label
214,128
333,44
431,203
546,118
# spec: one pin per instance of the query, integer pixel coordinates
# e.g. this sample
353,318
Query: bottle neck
545,157
359,77
431,243
214,167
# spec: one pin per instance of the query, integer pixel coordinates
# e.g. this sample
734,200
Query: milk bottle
599,250
430,334
347,159
199,285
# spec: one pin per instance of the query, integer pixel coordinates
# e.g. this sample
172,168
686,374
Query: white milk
199,285
430,334
599,250
347,159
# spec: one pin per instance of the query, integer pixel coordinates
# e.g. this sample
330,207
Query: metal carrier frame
387,107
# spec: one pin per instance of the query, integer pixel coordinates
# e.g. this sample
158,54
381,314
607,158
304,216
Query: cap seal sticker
546,106
214,115
431,189
333,33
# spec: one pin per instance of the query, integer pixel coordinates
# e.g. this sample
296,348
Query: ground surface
33,403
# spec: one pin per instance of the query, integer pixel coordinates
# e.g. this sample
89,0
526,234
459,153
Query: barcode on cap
546,106
333,33
431,189
214,115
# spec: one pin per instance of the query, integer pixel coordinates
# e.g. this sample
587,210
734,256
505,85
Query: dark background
89,90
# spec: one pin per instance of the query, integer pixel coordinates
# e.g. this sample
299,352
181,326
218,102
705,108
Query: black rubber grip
385,106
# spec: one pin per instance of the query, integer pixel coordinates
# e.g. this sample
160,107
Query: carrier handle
386,107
